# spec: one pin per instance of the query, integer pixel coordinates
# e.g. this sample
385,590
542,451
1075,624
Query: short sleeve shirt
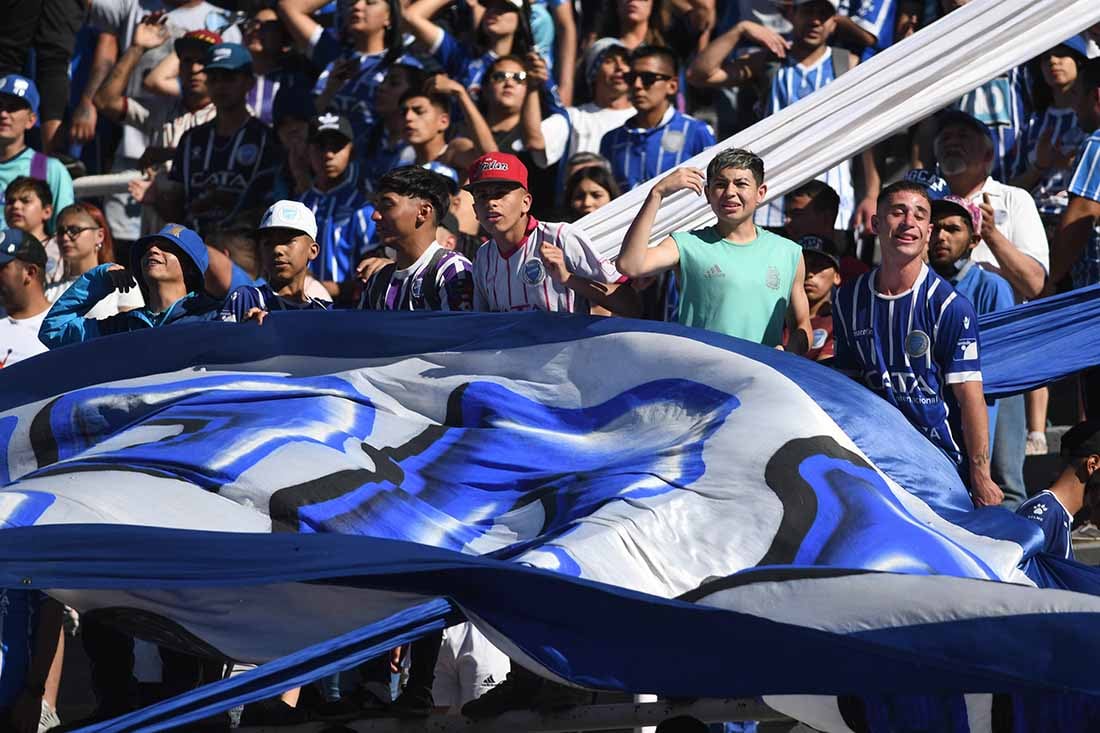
1086,183
1045,510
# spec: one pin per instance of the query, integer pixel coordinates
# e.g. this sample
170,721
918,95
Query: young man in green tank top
734,277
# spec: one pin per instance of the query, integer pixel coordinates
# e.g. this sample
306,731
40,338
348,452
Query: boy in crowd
658,137
28,206
287,240
22,294
411,205
223,170
904,332
1076,488
427,119
822,276
735,277
956,231
531,265
168,266
19,113
338,197
812,210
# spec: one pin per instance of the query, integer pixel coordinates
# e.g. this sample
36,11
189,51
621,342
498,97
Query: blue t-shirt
1045,510
987,291
244,299
355,98
1086,183
874,16
1003,104
638,155
909,348
460,63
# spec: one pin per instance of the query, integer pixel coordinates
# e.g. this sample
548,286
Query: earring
99,247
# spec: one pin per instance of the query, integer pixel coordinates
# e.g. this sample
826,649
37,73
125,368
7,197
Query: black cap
330,123
820,246
958,117
1082,440
16,244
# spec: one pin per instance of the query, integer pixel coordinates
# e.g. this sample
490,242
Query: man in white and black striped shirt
411,203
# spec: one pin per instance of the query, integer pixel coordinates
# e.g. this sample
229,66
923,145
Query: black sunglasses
73,232
649,78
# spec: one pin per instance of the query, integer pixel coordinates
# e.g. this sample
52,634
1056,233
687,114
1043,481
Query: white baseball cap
290,215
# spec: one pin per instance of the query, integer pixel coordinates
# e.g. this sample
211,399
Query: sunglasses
649,78
73,232
502,76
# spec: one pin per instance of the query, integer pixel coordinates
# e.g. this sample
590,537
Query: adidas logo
714,271
489,681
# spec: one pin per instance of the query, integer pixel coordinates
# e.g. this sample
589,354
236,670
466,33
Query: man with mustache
1013,244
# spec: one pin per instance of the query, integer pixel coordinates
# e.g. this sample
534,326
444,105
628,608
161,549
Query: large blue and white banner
636,462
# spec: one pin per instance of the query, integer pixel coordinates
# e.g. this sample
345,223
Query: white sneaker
1036,444
48,719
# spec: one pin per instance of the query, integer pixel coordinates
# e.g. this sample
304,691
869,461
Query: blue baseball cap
229,56
15,244
189,242
937,187
1078,45
21,87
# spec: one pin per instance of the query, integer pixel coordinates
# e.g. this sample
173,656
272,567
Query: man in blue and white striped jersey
904,331
658,137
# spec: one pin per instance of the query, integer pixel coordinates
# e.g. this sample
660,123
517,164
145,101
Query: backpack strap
431,293
39,161
842,60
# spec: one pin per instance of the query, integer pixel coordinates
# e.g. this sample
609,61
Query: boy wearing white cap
287,239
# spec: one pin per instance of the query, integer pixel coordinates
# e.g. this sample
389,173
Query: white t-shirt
19,338
590,123
468,666
520,281
114,303
555,136
1017,217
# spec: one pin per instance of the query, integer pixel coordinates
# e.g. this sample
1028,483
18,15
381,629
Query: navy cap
936,186
229,56
820,246
186,240
21,87
15,244
958,117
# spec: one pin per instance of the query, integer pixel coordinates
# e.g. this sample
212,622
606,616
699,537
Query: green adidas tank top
738,289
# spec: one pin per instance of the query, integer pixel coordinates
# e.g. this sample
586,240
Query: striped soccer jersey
355,100
638,155
909,348
1002,104
874,16
519,281
223,177
344,226
440,279
1086,183
1050,193
245,298
793,82
460,64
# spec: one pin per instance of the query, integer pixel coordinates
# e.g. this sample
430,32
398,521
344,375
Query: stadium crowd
397,155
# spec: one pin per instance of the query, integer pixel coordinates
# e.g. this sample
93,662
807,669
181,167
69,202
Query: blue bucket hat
21,88
189,242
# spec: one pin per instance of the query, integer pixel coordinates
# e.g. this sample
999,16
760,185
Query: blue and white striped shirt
1051,194
355,99
1086,183
344,226
908,348
460,63
877,17
1003,104
638,155
793,82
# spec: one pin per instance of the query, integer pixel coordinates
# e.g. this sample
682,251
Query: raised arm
419,16
567,51
164,78
481,135
1074,230
111,97
637,259
297,17
710,68
103,59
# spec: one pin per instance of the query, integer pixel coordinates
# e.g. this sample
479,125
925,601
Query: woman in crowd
85,242
588,189
504,30
633,22
349,85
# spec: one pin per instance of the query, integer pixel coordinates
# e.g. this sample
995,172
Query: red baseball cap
497,167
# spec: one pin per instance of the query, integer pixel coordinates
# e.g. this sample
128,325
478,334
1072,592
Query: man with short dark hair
22,294
224,170
734,277
287,240
410,206
906,333
168,266
658,137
